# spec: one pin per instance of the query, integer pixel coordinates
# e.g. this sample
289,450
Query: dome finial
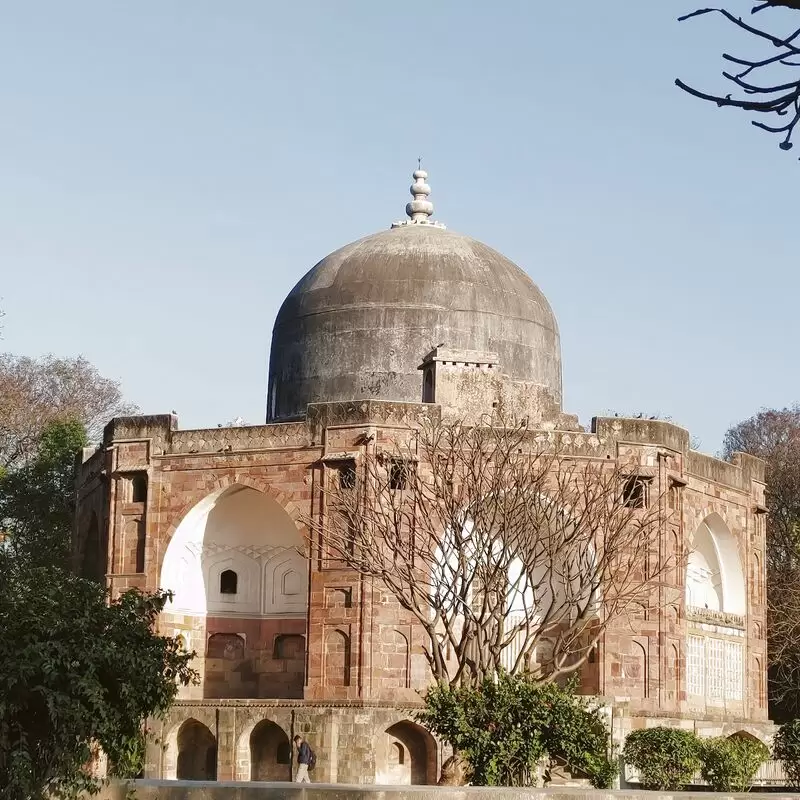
420,209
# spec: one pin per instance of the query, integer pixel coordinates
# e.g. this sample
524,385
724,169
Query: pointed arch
640,669
197,752
406,755
714,575
235,529
270,752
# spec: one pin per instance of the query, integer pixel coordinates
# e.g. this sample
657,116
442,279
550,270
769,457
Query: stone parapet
192,790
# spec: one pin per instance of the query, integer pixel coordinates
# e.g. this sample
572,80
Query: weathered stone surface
358,324
185,790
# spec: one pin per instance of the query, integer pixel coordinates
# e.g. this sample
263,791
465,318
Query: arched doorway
236,565
270,753
197,752
410,756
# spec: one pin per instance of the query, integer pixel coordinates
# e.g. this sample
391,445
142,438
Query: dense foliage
666,758
730,763
76,671
506,726
37,499
786,748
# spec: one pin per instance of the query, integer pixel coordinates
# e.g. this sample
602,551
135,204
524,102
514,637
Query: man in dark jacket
304,760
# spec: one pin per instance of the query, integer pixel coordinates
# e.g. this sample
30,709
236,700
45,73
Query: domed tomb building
407,323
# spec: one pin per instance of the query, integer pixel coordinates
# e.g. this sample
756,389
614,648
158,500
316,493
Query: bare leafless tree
774,435
768,84
496,543
35,392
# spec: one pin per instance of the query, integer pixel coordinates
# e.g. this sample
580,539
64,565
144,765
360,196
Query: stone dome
359,323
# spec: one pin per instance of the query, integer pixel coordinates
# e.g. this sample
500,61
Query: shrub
787,749
729,764
507,725
601,770
666,758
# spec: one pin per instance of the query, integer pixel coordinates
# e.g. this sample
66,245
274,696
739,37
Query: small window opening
428,393
228,582
347,475
400,473
139,489
634,492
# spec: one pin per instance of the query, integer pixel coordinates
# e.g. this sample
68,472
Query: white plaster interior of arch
242,529
527,595
714,574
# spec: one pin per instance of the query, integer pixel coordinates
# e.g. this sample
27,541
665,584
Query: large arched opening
237,569
536,583
407,756
270,753
197,752
716,604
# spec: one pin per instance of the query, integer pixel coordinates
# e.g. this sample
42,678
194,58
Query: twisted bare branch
506,552
781,99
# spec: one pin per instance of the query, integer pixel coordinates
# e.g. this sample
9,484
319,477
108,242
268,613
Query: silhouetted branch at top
781,99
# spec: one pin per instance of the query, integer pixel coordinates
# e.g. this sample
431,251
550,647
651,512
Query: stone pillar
226,744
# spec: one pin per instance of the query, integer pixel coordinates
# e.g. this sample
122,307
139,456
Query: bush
787,749
602,770
729,764
666,758
507,725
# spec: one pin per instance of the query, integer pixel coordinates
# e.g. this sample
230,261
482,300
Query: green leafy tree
37,498
507,725
786,748
76,671
730,763
666,758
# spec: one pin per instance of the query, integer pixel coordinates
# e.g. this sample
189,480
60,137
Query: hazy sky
169,170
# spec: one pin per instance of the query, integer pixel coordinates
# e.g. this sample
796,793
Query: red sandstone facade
344,664
287,639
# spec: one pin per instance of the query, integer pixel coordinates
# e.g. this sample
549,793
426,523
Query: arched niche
553,583
270,753
237,529
714,575
197,752
406,755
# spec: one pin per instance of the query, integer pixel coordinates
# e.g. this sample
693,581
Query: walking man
305,760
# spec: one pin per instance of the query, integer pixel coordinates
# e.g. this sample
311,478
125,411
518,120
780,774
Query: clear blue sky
168,171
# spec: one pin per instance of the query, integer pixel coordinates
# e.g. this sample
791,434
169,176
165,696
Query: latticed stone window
714,668
734,671
695,666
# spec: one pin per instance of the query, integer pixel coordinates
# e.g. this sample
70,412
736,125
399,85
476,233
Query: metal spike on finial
420,209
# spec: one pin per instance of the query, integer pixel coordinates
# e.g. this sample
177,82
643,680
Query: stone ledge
231,790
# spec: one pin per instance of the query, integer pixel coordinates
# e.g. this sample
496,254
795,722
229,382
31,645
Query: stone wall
355,745
362,651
